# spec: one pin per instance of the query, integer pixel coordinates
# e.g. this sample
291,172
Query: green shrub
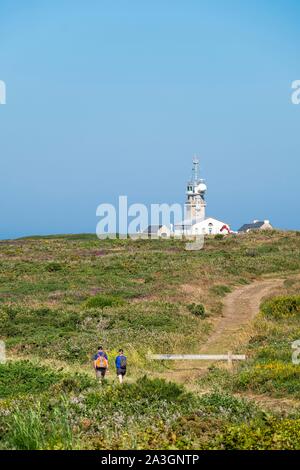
76,383
158,389
228,406
22,377
219,236
53,267
220,290
270,434
197,309
144,389
101,301
282,307
276,378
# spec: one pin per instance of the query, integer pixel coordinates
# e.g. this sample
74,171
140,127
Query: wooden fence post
230,365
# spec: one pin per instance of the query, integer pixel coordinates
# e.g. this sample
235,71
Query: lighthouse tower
195,195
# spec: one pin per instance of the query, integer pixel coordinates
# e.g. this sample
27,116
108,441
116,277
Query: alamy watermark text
2,92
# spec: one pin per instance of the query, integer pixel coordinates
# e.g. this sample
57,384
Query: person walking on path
121,364
100,363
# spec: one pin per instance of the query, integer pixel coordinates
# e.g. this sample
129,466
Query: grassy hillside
61,296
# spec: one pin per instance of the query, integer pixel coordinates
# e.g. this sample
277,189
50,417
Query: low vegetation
283,307
197,309
61,296
270,369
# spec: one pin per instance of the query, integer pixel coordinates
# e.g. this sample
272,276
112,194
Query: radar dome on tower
201,188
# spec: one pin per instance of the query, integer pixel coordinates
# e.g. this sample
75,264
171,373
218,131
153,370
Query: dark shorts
101,372
121,371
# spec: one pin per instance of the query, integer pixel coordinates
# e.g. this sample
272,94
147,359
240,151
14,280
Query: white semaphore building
195,221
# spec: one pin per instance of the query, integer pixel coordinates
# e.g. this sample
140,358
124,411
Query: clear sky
114,97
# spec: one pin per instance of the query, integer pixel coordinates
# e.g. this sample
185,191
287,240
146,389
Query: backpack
101,362
123,362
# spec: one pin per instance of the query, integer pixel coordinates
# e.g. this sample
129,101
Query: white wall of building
208,226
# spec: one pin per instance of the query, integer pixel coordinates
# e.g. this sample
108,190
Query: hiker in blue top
100,363
121,364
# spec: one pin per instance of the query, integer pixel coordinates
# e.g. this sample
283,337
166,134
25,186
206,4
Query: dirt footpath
240,307
229,330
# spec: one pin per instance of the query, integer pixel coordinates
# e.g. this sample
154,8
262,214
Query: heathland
62,296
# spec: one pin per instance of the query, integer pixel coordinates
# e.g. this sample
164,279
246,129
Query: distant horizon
42,235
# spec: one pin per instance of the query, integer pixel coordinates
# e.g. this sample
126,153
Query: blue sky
108,98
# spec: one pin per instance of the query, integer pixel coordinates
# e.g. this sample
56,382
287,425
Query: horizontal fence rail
229,357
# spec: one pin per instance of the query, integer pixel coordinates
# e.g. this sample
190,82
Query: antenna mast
195,169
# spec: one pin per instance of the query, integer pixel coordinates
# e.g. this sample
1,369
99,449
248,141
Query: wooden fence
229,357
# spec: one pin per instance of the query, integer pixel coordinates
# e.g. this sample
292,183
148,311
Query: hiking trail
228,330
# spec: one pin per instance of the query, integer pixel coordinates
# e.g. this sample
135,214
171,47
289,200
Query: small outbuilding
256,225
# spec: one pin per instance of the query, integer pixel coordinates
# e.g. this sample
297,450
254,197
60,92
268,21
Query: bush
53,267
197,309
149,398
281,307
219,236
158,389
102,301
23,377
227,406
276,378
271,434
220,290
